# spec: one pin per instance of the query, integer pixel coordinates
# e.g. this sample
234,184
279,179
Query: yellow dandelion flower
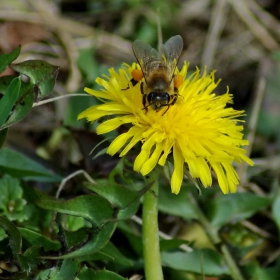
199,130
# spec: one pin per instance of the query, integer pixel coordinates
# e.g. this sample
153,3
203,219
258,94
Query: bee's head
158,100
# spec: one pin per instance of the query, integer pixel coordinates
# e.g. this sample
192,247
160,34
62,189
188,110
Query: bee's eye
155,96
152,96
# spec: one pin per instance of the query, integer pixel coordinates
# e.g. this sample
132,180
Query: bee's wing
144,53
171,51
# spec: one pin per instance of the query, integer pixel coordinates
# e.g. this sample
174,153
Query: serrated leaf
18,165
8,58
9,99
14,236
126,200
235,207
42,75
95,209
24,102
204,261
37,239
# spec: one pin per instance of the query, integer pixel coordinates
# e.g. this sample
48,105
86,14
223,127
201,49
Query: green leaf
67,271
30,259
95,209
109,253
37,239
42,75
269,273
126,200
18,165
89,274
276,211
11,202
98,256
6,59
119,173
112,251
9,99
86,274
205,261
74,223
235,207
14,236
74,238
3,234
3,135
24,102
177,205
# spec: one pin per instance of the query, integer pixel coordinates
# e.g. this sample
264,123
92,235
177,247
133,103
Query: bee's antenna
159,33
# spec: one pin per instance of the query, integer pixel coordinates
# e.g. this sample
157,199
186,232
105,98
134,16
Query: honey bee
160,85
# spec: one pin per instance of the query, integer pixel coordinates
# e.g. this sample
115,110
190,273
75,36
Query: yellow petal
205,174
97,93
177,176
115,108
150,164
166,152
113,124
138,136
140,160
92,113
222,180
118,143
232,177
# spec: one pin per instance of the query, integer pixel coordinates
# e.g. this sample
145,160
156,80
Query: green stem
150,239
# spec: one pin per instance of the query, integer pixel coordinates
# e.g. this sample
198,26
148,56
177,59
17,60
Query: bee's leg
172,102
144,102
142,88
174,99
137,75
144,98
133,82
168,105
